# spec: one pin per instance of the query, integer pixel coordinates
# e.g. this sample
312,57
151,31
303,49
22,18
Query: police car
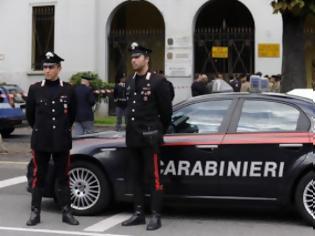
10,115
227,147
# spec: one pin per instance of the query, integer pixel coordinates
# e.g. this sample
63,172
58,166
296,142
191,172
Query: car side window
203,117
267,116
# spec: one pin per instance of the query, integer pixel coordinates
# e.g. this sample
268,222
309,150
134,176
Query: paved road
177,221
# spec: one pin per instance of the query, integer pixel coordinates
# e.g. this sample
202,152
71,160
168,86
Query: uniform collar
147,76
52,83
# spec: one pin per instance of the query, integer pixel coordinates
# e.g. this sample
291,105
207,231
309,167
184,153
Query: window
204,117
267,116
43,34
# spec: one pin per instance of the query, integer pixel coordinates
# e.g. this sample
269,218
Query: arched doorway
224,38
135,21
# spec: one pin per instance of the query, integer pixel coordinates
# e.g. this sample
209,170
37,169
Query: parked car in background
16,95
10,115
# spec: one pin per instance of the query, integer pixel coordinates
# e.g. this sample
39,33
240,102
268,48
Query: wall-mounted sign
178,62
220,52
268,50
178,69
179,42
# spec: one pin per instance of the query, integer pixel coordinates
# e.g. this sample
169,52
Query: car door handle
290,145
207,147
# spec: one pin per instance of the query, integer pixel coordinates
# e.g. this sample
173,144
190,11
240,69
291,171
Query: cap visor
136,54
49,64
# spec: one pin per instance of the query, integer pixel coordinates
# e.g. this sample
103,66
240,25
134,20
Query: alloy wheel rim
85,188
309,198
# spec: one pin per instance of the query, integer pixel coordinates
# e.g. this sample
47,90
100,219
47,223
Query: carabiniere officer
149,111
50,111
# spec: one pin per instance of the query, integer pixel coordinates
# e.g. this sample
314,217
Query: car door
193,147
267,138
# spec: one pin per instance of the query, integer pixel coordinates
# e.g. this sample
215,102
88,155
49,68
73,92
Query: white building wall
82,28
74,38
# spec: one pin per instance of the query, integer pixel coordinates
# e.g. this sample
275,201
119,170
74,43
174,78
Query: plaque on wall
268,50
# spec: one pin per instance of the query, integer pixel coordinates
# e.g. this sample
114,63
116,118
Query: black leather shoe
155,222
34,218
68,218
137,218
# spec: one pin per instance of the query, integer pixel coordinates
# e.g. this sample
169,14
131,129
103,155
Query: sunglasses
49,67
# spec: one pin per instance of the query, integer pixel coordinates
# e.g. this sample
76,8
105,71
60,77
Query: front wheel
89,188
304,197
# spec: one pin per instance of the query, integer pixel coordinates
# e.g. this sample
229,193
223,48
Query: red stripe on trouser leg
35,170
156,172
68,168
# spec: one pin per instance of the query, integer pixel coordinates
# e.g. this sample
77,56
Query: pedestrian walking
120,100
50,111
149,112
84,119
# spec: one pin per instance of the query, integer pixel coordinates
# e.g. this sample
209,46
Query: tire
89,188
6,132
304,198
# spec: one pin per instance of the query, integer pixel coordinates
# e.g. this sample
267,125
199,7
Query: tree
293,13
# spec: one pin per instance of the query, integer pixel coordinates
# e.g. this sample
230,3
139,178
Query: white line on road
107,223
47,231
12,181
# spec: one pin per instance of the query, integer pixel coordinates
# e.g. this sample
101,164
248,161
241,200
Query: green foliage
102,89
296,7
96,82
108,120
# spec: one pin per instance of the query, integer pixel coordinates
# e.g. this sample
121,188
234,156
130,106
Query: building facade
187,37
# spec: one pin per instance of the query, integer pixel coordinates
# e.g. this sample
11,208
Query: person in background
219,85
170,84
120,100
235,83
50,111
245,85
84,119
277,86
199,87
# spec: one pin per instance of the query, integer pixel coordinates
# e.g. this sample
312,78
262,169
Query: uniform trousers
40,169
144,166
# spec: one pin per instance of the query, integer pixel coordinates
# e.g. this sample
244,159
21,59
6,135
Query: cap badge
134,45
49,55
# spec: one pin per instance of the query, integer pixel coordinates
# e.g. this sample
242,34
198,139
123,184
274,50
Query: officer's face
52,71
139,62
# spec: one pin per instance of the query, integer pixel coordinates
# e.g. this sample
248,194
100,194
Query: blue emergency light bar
258,84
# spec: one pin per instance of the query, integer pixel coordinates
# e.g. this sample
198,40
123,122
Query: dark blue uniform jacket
149,107
50,110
